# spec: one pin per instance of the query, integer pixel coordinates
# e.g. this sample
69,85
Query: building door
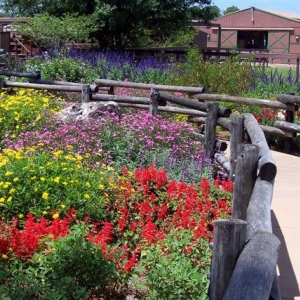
228,38
279,41
252,39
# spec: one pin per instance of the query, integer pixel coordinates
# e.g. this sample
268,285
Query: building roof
281,14
286,15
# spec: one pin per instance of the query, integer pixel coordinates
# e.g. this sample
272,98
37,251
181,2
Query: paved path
286,222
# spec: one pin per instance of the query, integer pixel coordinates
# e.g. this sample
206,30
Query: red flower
149,232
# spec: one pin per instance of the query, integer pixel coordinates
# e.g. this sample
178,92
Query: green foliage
62,68
229,77
49,184
55,33
69,268
205,14
267,84
230,9
25,110
119,24
176,270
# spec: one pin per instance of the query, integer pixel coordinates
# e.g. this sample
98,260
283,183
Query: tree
230,9
205,14
141,22
120,23
56,33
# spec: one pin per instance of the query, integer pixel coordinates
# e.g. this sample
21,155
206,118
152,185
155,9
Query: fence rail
245,252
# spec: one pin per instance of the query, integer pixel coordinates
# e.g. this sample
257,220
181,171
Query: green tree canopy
205,14
56,33
230,9
121,23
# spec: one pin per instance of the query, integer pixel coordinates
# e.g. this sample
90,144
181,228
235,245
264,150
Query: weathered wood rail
245,252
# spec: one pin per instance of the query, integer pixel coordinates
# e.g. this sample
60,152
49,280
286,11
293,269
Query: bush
50,183
85,67
178,268
25,110
69,267
229,77
62,68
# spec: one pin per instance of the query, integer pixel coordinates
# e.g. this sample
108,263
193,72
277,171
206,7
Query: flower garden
116,206
94,210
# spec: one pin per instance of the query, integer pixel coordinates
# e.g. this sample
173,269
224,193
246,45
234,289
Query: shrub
62,68
178,267
50,183
82,66
229,77
25,110
268,84
68,267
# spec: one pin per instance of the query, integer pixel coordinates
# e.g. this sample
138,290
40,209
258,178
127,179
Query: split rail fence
245,252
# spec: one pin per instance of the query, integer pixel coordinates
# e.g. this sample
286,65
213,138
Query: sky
291,6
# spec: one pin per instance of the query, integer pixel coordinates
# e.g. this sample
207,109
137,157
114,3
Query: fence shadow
287,278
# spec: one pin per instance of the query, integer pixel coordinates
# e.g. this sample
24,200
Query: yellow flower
2,199
6,185
58,153
45,195
11,191
101,186
16,179
86,196
44,212
9,199
42,179
62,206
21,216
4,256
88,184
55,216
8,173
56,179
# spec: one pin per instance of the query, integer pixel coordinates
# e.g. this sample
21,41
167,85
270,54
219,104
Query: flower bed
92,211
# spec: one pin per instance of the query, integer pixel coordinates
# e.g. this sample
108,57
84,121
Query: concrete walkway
286,222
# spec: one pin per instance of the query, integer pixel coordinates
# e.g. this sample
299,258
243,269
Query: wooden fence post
154,96
255,269
229,240
246,174
266,164
288,142
2,83
210,129
85,93
236,138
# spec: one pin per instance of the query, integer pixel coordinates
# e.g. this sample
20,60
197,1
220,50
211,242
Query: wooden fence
245,252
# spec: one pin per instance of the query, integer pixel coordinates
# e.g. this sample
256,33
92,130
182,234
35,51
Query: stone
86,110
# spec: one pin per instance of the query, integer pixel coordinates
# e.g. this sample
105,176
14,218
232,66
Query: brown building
14,43
254,28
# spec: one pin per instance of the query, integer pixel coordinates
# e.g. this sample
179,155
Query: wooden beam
255,269
229,240
266,164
